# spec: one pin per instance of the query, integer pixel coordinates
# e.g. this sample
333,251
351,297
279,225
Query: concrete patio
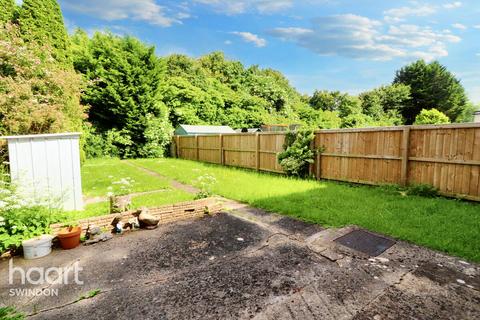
246,263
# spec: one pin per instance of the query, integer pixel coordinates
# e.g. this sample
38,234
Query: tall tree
123,93
42,21
432,86
37,94
8,10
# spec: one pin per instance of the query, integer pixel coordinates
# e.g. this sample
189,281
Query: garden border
166,214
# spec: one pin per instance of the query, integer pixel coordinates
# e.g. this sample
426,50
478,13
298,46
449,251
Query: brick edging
166,214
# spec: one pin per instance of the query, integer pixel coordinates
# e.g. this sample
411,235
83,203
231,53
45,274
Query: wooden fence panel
209,149
446,156
269,147
360,156
187,148
240,150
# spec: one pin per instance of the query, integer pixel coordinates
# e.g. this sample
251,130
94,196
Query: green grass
98,175
443,224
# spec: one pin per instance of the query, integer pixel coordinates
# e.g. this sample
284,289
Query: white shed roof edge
45,135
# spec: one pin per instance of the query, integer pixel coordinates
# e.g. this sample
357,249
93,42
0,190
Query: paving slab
247,263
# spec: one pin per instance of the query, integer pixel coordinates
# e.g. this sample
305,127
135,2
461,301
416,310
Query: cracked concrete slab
248,263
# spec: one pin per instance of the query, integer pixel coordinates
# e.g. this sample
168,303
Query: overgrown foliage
7,12
37,94
297,155
22,217
41,21
123,93
432,116
432,86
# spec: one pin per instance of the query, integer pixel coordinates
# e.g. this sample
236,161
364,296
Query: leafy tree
385,101
432,86
124,89
431,116
7,12
37,94
41,21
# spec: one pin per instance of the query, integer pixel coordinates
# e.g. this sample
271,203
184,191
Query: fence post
312,147
257,151
318,170
177,146
405,150
221,148
196,148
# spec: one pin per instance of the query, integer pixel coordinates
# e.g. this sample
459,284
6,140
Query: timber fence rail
444,156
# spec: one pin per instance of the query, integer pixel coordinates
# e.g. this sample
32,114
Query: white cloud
360,37
477,26
416,10
452,5
142,10
227,42
459,26
478,54
250,37
399,14
232,7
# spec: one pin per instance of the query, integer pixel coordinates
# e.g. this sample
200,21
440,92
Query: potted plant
119,195
69,237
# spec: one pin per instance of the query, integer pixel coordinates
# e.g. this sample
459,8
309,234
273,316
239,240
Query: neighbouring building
188,130
476,116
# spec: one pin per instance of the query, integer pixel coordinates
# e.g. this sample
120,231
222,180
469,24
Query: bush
297,157
37,94
432,116
21,218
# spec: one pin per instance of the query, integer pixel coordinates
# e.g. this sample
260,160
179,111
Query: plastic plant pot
37,247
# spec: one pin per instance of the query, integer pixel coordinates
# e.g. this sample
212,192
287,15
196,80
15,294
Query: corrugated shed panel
47,166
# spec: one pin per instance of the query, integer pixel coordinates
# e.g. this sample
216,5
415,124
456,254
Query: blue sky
341,45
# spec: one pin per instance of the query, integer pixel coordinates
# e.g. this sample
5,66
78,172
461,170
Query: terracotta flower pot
69,237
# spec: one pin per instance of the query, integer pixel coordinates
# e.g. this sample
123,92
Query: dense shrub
432,116
298,155
22,218
37,94
123,93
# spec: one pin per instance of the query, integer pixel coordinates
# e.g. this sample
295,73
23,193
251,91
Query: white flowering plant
205,183
121,187
22,218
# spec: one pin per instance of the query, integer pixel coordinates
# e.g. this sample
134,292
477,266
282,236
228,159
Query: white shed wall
47,166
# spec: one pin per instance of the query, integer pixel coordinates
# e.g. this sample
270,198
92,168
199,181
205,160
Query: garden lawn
98,175
443,224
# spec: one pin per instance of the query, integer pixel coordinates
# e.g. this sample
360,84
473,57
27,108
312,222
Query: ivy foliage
298,155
